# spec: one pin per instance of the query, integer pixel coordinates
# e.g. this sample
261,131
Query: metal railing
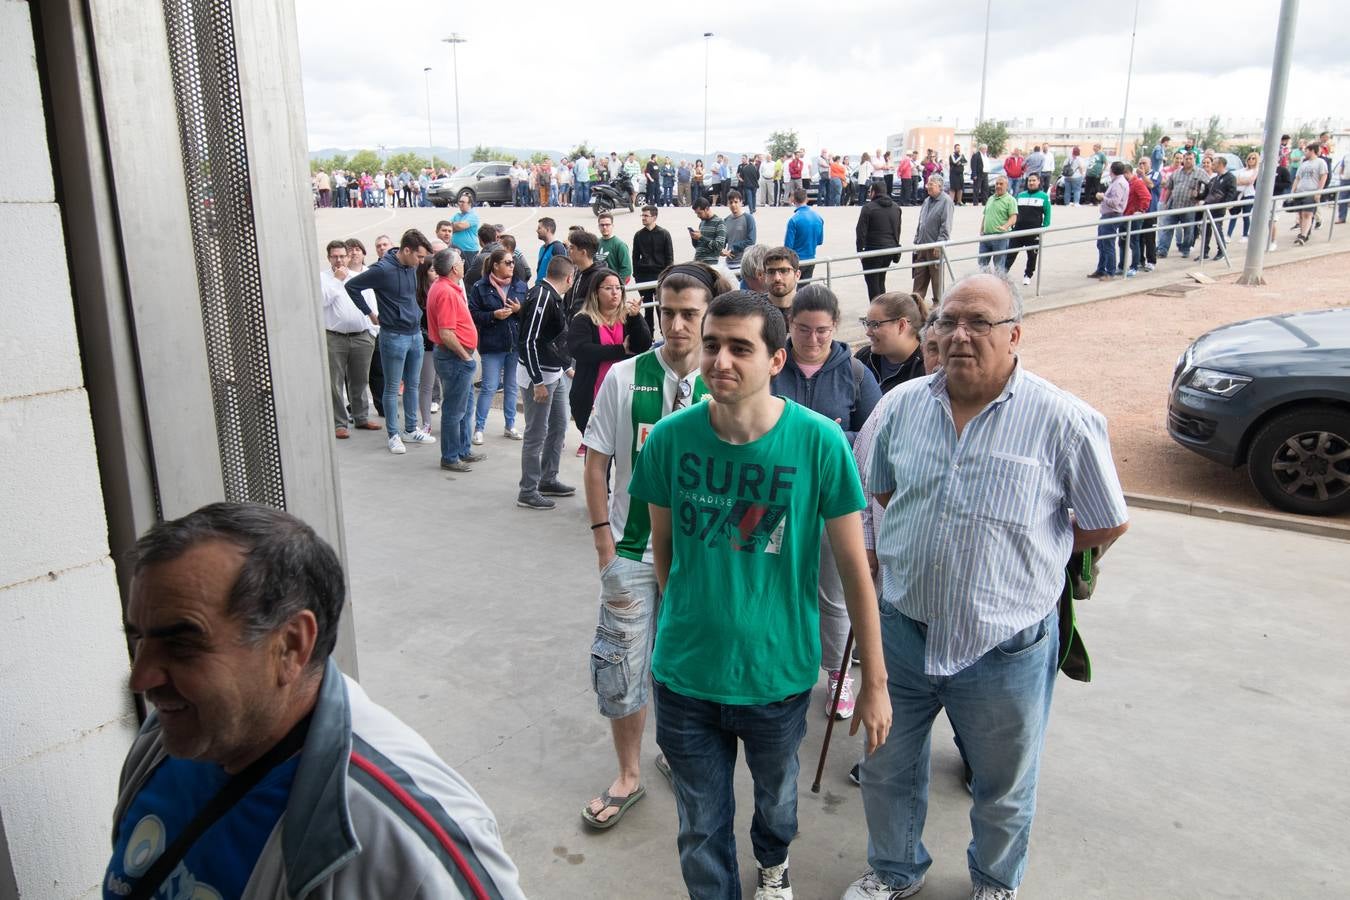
1200,217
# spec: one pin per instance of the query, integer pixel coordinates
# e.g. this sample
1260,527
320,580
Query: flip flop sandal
608,799
663,766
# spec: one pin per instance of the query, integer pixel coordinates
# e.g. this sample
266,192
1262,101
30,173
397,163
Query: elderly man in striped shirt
990,478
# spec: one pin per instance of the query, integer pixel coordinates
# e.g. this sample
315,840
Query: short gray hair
935,177
1003,278
752,260
445,261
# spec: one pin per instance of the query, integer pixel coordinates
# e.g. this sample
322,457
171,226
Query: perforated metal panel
225,246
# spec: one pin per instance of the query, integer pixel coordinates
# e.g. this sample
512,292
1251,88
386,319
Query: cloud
539,75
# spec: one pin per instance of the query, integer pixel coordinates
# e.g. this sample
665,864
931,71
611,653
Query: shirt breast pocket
1011,485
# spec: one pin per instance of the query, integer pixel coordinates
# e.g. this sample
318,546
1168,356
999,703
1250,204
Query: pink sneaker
845,710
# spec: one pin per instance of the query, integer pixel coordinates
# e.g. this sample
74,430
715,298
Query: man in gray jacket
935,226
263,772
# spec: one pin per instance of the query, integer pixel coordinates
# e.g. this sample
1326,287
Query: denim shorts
621,655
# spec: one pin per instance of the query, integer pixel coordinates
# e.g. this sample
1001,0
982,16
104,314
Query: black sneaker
458,465
473,456
853,775
556,489
534,500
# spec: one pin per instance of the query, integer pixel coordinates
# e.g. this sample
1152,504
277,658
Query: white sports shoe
477,438
870,887
419,437
981,891
396,444
1026,279
773,883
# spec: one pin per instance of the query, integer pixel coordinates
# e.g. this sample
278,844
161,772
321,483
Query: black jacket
878,224
1222,189
910,368
652,251
543,334
749,175
583,342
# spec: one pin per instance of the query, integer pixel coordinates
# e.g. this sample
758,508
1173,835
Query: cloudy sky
532,76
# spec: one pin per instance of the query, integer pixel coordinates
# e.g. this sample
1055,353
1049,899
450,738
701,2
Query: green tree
485,154
365,161
992,134
782,144
1305,132
1211,137
1243,150
582,149
1148,140
537,157
413,162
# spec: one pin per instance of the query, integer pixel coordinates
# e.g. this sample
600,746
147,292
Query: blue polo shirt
805,232
468,238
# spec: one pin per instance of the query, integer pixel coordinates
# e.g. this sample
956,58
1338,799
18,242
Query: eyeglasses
974,327
778,270
871,324
819,333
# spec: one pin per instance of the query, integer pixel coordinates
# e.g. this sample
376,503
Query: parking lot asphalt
1064,265
1204,760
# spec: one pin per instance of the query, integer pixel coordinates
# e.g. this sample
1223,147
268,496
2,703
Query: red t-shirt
447,307
1139,197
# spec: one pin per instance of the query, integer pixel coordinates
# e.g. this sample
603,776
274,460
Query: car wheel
467,192
1300,461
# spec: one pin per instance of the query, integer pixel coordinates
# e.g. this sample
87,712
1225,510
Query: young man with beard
738,489
653,251
782,270
634,396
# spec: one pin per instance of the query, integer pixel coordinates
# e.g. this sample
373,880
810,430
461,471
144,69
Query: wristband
599,525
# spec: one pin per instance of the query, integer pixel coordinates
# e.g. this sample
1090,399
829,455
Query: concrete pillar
63,661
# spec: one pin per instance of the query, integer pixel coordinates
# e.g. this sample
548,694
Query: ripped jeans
621,655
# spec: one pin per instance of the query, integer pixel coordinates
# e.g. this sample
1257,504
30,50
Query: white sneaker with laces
773,883
870,887
981,891
418,436
435,407
1273,247
396,444
513,434
1026,279
478,438
845,710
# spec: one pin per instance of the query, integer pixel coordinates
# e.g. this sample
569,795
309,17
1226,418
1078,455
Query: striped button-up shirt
977,532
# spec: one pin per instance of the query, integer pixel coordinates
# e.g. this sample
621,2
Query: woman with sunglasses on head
608,328
494,301
823,376
892,324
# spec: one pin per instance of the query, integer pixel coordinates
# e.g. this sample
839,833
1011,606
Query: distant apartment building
924,136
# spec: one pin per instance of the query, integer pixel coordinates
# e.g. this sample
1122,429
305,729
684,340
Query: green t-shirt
996,211
740,620
1098,164
614,255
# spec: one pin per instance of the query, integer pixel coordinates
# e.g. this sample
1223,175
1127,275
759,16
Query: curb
1282,521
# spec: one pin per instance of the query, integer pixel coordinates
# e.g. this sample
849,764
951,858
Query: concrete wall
67,715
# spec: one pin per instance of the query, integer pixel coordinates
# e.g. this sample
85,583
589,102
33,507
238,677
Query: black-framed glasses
871,324
974,327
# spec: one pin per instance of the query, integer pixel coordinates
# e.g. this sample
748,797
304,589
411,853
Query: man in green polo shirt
738,488
1000,214
635,394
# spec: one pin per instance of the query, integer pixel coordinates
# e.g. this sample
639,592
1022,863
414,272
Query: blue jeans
621,655
750,195
1106,247
401,360
1179,227
498,369
667,191
994,246
999,707
836,191
1014,186
699,738
1073,189
456,396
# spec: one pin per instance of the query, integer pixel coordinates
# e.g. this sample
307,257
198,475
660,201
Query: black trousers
1022,243
1091,185
377,379
876,280
806,273
978,184
1217,231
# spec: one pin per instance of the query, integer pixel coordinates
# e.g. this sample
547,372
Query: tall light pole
454,40
1129,73
431,148
1270,149
707,42
984,71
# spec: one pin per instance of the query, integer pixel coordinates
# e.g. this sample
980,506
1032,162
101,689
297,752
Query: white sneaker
477,438
513,434
845,710
396,444
419,437
1026,279
1272,248
435,407
981,891
773,883
869,887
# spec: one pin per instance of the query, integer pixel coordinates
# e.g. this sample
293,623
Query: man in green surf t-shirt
634,396
738,489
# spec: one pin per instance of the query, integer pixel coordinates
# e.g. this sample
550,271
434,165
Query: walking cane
829,726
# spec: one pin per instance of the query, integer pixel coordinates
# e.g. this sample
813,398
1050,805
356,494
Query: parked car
1274,394
483,182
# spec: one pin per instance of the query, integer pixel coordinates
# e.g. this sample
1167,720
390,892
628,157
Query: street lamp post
454,40
707,42
431,147
1129,72
984,71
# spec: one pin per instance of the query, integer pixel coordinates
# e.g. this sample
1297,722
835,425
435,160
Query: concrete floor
1205,760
